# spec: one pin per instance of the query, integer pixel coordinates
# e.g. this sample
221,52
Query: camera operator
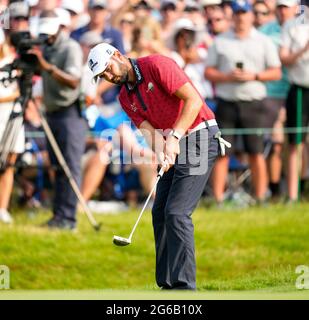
8,94
61,62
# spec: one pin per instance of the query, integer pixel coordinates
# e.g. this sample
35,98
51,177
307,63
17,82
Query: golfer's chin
119,80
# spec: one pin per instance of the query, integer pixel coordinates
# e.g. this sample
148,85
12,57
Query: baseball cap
167,4
49,26
76,6
99,57
2,37
241,5
19,9
183,23
90,39
97,3
206,3
64,17
287,3
191,5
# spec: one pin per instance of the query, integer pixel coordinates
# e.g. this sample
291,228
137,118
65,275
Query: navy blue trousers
178,193
69,129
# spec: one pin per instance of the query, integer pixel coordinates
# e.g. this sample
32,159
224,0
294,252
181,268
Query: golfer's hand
172,150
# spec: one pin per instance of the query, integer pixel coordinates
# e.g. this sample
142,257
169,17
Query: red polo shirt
153,98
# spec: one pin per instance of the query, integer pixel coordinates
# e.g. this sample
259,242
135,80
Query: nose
107,75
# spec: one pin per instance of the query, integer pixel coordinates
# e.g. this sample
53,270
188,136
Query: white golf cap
287,3
76,6
183,23
2,37
99,57
206,3
64,17
49,26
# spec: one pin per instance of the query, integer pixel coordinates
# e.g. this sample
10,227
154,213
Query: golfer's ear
117,55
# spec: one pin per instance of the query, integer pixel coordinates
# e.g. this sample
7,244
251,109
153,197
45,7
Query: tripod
14,126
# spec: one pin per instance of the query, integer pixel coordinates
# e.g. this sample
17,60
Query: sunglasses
127,21
261,13
211,21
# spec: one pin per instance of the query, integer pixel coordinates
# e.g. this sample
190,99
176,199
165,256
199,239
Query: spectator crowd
249,60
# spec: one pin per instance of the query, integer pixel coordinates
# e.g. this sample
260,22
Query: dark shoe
60,224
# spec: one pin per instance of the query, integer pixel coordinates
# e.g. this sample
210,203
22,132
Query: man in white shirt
239,63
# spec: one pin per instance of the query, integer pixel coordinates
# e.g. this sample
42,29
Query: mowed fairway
249,253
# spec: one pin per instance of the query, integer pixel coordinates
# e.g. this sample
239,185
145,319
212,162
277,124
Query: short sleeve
168,74
74,60
272,55
212,57
136,117
286,39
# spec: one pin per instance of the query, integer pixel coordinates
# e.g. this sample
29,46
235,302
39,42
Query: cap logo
108,51
92,64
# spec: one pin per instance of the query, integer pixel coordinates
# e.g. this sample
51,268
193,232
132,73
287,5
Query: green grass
256,250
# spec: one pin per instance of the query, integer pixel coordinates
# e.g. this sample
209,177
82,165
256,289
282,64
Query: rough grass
254,249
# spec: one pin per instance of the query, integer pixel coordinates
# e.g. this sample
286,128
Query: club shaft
145,205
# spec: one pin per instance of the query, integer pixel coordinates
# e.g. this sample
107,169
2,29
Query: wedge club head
121,242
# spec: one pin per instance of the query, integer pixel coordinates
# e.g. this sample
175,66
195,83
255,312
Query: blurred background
269,159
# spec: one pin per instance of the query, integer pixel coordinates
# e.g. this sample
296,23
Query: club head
121,242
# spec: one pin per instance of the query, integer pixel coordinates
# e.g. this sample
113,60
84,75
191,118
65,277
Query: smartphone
240,65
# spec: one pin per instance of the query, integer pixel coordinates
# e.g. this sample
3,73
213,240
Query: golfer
156,94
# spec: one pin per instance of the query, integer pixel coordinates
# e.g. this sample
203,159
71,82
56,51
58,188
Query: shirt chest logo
150,87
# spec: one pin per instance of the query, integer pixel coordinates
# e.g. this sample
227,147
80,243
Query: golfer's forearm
188,115
191,108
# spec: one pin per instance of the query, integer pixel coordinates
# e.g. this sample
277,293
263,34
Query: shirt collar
60,39
253,32
138,75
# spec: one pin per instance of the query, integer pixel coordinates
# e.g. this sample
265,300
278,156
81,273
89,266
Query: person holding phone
239,63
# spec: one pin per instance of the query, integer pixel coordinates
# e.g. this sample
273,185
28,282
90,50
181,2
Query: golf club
120,241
